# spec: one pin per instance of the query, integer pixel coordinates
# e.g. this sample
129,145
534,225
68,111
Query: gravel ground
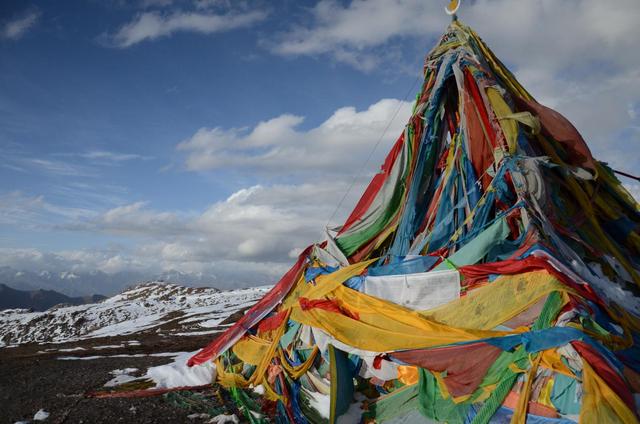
30,381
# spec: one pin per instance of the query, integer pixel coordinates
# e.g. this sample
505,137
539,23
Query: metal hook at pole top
452,8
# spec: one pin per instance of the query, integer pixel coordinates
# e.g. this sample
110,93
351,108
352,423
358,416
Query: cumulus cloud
531,30
574,56
105,260
153,25
109,270
259,223
247,238
337,146
252,234
577,57
20,25
349,32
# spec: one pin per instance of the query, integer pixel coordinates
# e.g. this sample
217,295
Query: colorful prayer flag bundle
489,273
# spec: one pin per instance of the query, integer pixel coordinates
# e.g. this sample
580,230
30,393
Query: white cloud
31,259
251,236
260,223
575,56
18,27
106,156
247,238
153,25
349,32
543,33
135,219
338,145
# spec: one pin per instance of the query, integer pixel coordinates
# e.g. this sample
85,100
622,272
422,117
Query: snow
178,374
197,333
612,291
224,418
320,402
354,413
174,374
211,323
129,326
121,377
79,358
122,355
142,308
73,349
41,415
108,347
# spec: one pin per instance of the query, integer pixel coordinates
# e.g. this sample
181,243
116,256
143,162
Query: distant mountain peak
39,300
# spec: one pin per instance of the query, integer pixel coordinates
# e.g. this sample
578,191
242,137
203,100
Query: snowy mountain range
165,309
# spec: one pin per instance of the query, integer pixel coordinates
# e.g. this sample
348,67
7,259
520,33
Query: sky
219,138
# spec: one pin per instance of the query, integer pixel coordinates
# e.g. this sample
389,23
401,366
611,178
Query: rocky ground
32,377
53,360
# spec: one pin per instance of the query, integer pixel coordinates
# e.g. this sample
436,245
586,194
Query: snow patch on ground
211,323
121,377
41,415
178,374
123,355
107,347
224,418
168,376
197,333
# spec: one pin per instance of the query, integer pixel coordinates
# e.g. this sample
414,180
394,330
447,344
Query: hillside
164,308
146,333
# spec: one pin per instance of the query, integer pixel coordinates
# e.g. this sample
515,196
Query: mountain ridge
40,299
152,306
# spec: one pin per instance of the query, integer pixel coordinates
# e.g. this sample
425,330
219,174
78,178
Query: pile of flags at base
489,273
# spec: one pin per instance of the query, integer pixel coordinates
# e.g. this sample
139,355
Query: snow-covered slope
154,306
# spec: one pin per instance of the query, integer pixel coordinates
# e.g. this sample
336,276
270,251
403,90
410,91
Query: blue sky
217,137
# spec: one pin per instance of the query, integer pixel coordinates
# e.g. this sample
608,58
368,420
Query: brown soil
30,380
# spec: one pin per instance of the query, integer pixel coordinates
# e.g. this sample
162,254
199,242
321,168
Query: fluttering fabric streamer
488,273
